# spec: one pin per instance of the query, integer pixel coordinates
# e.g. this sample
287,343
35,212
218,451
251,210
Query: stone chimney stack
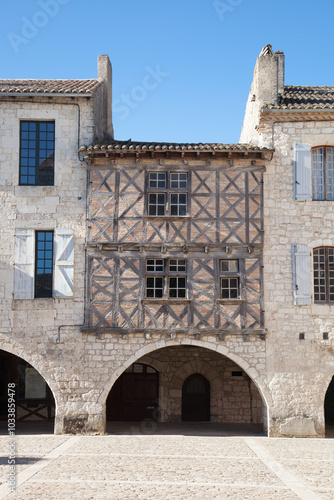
103,114
268,76
267,85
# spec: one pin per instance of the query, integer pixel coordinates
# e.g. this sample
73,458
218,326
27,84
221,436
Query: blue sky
200,55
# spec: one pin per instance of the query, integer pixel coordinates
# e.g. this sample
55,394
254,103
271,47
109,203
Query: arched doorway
329,407
34,401
134,396
196,399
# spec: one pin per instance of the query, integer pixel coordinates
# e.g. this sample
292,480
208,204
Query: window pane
318,174
320,280
228,266
33,145
158,180
178,180
44,264
177,266
178,204
157,204
154,287
177,288
330,173
155,265
230,288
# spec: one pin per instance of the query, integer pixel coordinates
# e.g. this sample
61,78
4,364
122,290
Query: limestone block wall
299,371
43,331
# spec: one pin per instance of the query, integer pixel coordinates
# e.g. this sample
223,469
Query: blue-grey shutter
301,275
24,265
302,172
64,263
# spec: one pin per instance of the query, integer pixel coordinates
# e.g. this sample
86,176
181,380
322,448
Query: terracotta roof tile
132,146
295,97
48,86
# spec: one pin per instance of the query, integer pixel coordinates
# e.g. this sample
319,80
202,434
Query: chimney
105,76
269,76
267,85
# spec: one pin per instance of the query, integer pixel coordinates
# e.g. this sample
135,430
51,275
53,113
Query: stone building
298,123
168,282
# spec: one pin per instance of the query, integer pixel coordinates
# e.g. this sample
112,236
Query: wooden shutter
301,275
302,172
24,266
64,263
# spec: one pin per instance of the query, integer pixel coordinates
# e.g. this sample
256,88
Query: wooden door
196,399
134,396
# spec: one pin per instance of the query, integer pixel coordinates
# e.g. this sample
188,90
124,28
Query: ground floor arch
195,384
329,408
34,401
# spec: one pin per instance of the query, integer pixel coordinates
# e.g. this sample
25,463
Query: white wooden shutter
301,275
302,172
64,263
24,266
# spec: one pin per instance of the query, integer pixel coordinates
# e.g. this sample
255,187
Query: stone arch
35,360
253,374
328,387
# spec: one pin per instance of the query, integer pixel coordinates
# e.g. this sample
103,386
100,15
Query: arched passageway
195,384
34,401
329,409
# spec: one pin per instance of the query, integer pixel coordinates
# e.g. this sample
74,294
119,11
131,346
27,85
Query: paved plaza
150,462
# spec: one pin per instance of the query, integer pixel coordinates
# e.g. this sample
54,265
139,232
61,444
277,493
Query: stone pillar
80,418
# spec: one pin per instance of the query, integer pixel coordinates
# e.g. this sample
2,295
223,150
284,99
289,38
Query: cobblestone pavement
163,466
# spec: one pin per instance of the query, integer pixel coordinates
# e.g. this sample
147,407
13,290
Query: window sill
166,301
167,217
230,301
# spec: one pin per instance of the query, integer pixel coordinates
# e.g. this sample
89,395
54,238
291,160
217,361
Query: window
323,173
323,274
168,194
37,142
229,279
166,278
44,263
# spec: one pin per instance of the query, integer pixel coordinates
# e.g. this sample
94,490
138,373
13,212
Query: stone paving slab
29,450
151,467
105,491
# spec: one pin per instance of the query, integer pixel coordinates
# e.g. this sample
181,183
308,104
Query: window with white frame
168,194
166,279
229,279
44,263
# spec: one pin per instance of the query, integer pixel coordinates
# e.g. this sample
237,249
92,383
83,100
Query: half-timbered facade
175,239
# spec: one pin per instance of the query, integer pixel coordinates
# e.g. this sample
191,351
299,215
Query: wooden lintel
221,334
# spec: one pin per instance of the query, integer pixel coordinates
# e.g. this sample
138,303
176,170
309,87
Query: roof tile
296,97
163,146
48,86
